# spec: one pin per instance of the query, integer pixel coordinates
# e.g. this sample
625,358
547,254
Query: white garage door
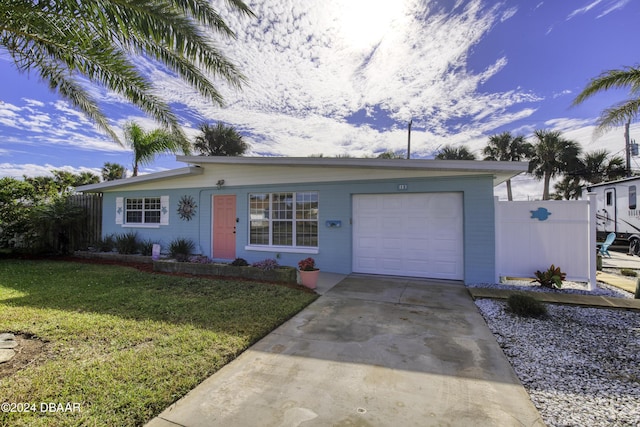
418,234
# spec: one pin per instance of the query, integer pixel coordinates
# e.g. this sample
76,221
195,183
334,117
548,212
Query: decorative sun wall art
187,208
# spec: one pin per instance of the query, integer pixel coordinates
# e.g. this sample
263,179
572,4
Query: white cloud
509,13
562,93
33,102
32,170
608,6
311,65
584,9
615,6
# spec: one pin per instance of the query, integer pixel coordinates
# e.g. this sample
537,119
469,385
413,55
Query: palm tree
600,167
569,188
219,140
505,147
391,155
146,145
553,155
449,152
623,112
68,42
113,171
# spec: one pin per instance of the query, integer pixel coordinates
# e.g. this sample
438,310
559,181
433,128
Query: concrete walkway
372,351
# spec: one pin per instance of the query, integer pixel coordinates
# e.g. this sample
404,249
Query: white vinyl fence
531,236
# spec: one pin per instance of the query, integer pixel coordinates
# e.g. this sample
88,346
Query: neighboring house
422,218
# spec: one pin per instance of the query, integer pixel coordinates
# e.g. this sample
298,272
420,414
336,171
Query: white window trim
121,213
285,249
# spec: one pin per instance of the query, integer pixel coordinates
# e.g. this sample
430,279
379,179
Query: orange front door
224,227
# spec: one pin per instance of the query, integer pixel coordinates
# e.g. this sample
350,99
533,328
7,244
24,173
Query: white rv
618,211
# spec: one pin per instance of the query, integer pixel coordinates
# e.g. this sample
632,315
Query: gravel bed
602,289
580,366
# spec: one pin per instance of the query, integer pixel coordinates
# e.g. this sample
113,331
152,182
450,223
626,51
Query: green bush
240,262
127,243
180,249
106,244
551,278
628,272
146,247
526,306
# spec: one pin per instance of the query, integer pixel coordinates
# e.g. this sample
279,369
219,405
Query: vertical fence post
497,227
592,241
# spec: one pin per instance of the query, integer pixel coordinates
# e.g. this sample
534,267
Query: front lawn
121,345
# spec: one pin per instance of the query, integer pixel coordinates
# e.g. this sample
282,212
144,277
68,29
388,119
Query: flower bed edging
281,274
114,256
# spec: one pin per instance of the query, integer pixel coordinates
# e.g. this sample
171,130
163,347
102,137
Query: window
284,219
143,210
609,198
632,197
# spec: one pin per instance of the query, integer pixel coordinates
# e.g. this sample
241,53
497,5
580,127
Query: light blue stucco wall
335,203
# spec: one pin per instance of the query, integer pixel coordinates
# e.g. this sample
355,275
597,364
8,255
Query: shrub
526,306
267,264
106,244
628,272
240,262
200,259
146,247
127,243
180,249
551,278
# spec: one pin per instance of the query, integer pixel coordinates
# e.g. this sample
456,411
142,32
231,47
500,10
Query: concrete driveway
372,351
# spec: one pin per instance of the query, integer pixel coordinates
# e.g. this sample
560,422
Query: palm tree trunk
547,181
509,194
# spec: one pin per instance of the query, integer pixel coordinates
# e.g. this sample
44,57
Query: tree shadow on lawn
230,306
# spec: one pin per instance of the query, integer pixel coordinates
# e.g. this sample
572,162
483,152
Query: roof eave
109,185
501,170
472,165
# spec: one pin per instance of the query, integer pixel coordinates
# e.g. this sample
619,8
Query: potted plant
308,272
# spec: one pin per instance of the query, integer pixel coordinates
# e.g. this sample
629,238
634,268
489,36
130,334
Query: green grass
123,343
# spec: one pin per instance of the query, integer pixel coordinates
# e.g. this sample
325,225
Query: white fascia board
499,169
110,185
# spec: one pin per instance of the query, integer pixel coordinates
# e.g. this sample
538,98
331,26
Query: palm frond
617,115
66,41
628,77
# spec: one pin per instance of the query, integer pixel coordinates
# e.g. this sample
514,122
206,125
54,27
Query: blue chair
604,247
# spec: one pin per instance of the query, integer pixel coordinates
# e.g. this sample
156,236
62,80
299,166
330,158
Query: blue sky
346,76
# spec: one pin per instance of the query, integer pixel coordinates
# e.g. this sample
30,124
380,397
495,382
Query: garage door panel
445,268
392,203
366,263
392,243
416,234
367,243
392,225
391,265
